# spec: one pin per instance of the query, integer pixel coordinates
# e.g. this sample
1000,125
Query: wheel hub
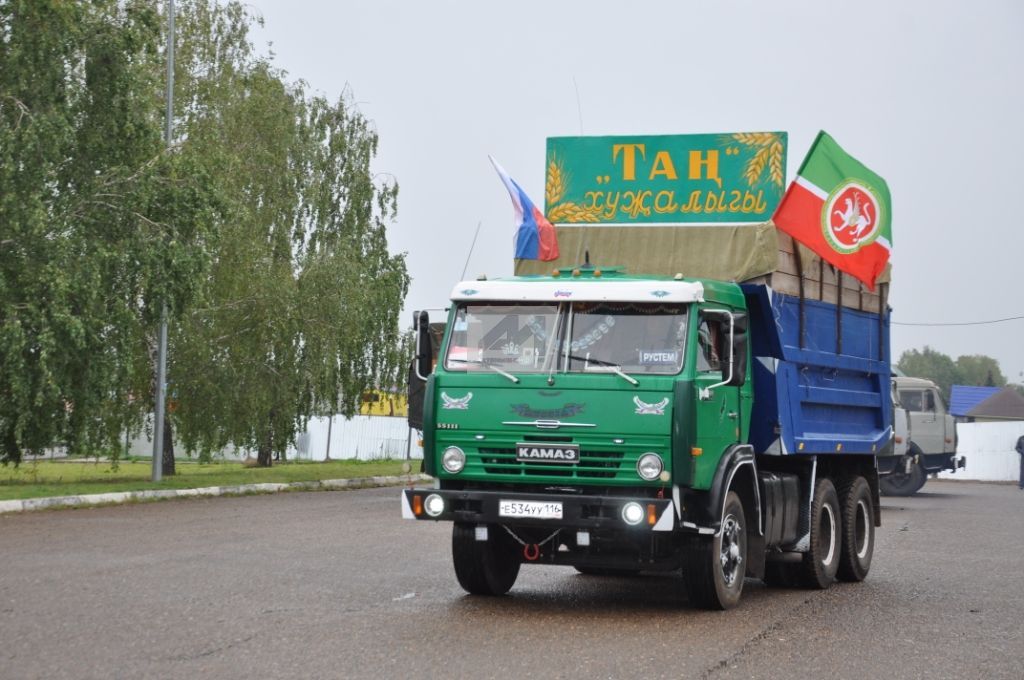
729,555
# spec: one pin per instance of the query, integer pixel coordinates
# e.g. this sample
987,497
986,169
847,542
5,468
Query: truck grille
592,465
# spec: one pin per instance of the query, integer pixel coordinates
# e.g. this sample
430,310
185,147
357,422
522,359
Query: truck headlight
649,466
434,505
632,513
453,459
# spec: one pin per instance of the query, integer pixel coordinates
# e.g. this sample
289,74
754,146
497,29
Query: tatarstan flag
840,210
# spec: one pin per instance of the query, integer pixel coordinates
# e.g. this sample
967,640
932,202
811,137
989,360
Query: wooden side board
821,280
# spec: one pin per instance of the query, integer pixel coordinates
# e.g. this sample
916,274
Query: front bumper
578,512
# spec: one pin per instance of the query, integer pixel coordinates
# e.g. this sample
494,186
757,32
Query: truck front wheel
714,567
901,482
821,561
858,515
484,567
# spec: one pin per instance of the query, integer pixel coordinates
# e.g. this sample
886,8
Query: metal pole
470,253
161,361
330,424
161,396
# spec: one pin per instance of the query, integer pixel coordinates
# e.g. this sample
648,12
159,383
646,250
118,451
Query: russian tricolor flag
535,237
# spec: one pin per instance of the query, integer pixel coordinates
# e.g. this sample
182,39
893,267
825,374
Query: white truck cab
930,443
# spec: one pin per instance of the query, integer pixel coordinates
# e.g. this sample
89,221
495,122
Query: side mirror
738,356
424,351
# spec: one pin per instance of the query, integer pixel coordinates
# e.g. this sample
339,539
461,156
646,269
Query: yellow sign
381,403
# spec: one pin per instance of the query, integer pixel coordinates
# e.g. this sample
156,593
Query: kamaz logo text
548,453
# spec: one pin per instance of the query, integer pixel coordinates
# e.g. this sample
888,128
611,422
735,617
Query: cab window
636,337
521,338
710,337
912,400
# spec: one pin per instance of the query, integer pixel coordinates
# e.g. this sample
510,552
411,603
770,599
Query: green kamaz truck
619,424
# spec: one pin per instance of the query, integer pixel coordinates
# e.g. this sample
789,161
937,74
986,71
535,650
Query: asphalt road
334,584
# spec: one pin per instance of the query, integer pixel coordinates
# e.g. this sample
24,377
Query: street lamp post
161,360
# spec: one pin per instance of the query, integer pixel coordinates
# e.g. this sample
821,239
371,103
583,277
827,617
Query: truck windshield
620,337
517,338
641,338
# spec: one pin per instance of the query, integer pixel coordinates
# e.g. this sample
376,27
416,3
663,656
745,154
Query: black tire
606,571
821,561
858,541
714,567
900,483
484,567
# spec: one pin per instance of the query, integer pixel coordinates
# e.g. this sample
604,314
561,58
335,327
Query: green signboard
733,178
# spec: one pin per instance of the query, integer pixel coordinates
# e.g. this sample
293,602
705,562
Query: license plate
533,509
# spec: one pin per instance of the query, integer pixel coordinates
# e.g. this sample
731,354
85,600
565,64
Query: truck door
718,407
948,424
926,430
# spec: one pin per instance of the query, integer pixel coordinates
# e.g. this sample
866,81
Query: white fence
989,449
361,438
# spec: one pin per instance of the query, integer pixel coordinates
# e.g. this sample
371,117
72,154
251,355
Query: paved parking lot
334,584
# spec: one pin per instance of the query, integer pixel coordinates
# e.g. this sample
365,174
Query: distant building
989,421
985,404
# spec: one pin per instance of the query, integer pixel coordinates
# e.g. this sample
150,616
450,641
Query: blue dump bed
827,392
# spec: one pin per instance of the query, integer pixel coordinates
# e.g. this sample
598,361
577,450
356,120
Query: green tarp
729,253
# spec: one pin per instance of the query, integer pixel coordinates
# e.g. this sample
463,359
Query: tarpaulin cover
728,253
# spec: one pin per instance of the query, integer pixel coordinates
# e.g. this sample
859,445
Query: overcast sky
930,95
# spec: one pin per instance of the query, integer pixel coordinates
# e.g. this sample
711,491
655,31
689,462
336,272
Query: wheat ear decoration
775,163
756,165
554,188
570,212
759,139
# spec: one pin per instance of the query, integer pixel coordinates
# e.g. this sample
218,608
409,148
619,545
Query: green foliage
301,310
978,369
263,229
98,221
973,369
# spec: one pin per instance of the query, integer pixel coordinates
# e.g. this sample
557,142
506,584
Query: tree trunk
263,456
265,452
167,462
11,452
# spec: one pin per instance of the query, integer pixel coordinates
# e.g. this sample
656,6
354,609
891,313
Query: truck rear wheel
714,567
858,515
821,561
484,567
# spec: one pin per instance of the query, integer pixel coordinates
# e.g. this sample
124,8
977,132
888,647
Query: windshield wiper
490,366
604,367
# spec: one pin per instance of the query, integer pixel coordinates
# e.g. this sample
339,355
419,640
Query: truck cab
932,439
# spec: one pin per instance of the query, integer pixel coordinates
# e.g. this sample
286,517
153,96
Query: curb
120,497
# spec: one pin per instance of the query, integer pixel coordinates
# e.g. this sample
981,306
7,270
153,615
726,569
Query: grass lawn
73,478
